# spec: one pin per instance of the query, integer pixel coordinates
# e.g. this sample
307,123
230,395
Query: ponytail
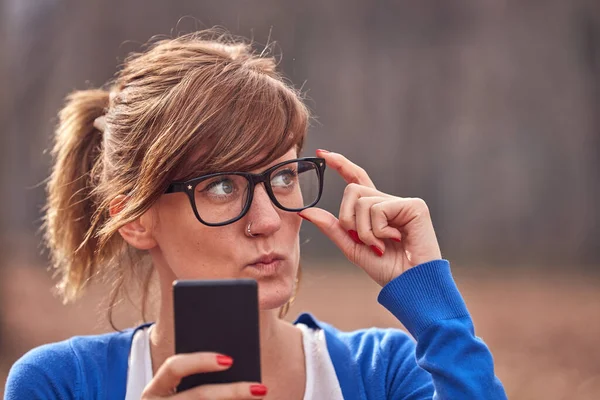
77,167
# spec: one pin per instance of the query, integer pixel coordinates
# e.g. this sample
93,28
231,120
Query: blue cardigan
447,362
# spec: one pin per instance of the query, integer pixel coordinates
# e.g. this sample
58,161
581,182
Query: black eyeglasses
223,198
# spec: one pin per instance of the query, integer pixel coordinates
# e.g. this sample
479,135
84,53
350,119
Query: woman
154,173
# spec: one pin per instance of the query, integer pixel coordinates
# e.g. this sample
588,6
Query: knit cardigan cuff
423,295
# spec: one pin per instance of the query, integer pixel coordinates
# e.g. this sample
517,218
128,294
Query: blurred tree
590,52
4,101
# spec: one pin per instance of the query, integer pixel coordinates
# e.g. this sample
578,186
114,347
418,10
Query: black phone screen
218,316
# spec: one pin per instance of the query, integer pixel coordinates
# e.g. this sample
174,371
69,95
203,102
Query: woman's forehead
289,155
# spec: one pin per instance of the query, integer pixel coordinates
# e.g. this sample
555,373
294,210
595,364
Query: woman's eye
284,178
222,187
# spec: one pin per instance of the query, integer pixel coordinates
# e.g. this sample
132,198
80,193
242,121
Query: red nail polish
224,360
354,236
303,217
322,151
377,250
397,240
258,390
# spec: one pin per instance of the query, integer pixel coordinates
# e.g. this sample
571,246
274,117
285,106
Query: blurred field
543,330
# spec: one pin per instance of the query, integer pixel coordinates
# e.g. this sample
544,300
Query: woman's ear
137,233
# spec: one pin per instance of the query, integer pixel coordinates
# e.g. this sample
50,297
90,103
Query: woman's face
188,249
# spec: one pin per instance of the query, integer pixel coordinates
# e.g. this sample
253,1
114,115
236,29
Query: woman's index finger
349,171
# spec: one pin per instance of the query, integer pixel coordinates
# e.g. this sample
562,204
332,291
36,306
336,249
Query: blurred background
489,110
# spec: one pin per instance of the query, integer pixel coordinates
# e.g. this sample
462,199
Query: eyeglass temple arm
176,187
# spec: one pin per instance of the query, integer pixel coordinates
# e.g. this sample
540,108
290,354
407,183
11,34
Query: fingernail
396,240
354,236
258,390
322,151
377,250
303,217
224,360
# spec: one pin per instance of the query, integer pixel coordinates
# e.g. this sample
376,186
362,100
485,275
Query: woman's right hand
177,367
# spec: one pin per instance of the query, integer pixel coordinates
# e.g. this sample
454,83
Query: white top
318,364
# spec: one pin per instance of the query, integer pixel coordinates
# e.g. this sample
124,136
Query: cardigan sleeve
427,302
47,372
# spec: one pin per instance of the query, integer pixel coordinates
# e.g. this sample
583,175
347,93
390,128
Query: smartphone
218,316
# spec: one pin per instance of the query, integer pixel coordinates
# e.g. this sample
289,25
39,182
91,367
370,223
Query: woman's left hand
382,234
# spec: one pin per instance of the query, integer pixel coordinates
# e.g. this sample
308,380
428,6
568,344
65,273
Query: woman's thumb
330,226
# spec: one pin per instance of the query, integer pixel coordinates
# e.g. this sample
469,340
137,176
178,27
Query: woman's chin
272,295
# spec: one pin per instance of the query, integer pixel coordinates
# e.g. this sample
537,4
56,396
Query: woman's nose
263,214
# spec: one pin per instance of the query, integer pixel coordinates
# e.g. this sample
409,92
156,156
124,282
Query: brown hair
197,92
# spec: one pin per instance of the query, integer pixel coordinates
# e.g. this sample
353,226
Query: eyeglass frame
189,187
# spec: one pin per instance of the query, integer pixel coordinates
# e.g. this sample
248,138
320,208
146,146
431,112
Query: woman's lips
267,268
267,264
